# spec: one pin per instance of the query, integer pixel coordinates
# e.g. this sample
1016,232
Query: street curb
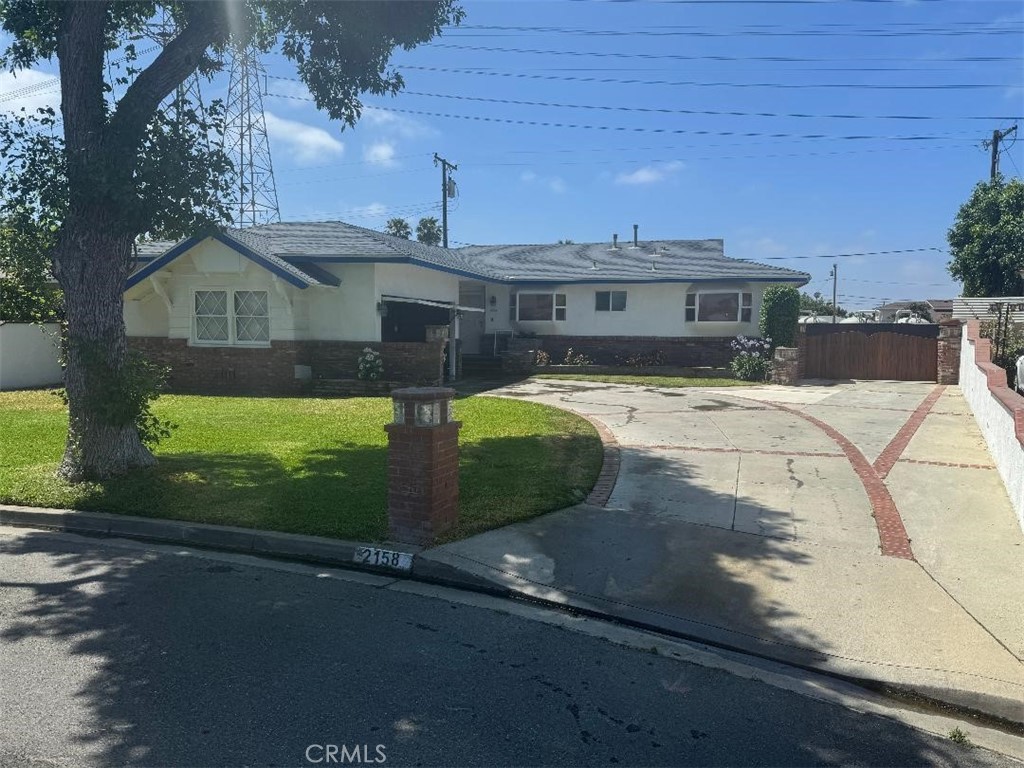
341,554
251,541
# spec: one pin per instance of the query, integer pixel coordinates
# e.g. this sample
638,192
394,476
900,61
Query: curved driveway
853,527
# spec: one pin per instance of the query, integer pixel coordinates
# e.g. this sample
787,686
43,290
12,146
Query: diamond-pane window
252,319
211,315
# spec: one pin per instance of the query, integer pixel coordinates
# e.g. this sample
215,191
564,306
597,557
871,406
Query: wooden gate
900,354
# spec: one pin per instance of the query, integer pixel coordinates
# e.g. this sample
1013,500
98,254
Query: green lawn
646,381
304,465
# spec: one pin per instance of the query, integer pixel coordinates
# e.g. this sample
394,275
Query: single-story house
267,308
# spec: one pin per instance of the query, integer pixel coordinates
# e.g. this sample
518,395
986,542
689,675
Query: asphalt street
123,655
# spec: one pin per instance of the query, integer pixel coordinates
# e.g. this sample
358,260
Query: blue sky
622,90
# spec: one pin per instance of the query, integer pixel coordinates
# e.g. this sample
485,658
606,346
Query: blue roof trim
319,274
268,265
155,265
162,261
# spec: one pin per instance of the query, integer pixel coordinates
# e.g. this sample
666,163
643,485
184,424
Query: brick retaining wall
696,351
271,370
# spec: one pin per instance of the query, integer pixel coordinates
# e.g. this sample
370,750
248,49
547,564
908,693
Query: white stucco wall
996,424
29,355
652,309
211,265
345,313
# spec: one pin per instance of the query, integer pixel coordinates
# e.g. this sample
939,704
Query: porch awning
430,303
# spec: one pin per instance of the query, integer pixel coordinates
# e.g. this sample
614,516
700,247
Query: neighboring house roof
940,305
292,250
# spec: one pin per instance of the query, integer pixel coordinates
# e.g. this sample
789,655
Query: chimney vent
636,235
615,241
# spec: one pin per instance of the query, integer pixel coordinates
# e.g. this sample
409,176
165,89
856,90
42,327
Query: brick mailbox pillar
423,464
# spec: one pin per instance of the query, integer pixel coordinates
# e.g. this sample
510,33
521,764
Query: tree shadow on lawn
341,491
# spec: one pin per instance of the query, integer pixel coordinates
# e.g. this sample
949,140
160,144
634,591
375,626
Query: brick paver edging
890,455
602,490
892,535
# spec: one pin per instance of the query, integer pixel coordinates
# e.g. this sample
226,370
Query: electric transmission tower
246,142
187,93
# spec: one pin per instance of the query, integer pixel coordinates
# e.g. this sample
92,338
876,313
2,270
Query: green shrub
780,310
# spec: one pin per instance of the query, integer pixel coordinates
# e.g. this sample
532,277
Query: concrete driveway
858,528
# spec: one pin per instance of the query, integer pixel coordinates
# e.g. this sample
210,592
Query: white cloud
371,211
307,143
30,90
553,183
380,153
650,174
396,124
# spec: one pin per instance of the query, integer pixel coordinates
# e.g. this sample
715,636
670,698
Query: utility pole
835,282
447,190
997,136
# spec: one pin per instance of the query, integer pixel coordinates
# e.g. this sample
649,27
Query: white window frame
232,340
740,306
555,306
611,301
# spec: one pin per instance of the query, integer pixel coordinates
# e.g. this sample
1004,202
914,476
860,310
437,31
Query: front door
471,326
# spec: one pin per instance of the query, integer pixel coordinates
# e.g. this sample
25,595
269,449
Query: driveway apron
856,528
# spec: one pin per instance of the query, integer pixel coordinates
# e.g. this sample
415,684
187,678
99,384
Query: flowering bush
752,360
572,357
543,358
371,367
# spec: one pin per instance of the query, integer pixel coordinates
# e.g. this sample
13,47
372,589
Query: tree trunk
91,263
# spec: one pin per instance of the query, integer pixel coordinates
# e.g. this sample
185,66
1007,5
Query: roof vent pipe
615,240
636,235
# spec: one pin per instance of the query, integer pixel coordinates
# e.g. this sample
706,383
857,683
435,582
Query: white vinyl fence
29,355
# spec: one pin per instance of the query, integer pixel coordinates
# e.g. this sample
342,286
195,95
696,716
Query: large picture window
540,306
231,317
719,307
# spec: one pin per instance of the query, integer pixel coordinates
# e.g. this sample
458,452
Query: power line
848,255
765,30
705,57
666,111
699,84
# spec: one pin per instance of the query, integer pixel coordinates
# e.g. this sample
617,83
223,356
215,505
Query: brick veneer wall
696,351
271,370
224,370
405,361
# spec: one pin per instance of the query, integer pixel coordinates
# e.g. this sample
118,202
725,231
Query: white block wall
997,425
29,355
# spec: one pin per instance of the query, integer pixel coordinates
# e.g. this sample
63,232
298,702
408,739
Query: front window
231,317
610,301
211,316
540,306
719,307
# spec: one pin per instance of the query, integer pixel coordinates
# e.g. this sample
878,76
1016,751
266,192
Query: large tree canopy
127,157
986,240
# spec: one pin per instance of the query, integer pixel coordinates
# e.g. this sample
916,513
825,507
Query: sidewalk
858,529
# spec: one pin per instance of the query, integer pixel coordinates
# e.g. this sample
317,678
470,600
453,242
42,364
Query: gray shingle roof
684,260
290,243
